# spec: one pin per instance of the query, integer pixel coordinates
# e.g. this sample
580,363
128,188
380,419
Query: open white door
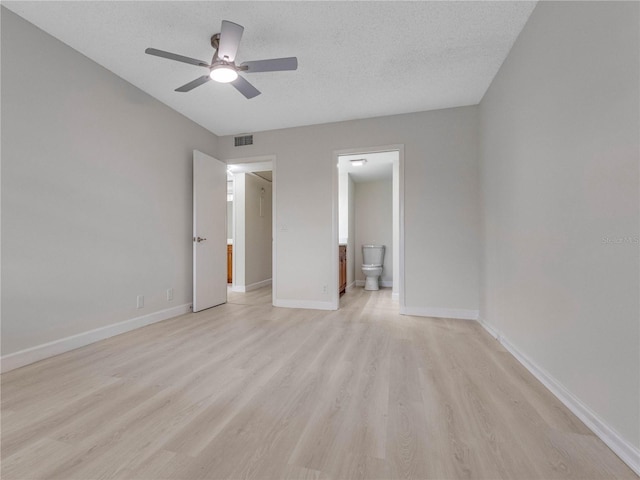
209,231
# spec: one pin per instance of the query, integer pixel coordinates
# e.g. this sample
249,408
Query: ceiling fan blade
176,57
245,88
230,35
193,84
271,65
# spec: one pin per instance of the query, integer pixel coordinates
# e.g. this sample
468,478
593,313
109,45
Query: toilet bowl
372,261
371,275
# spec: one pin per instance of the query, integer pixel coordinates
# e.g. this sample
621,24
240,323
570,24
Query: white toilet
372,259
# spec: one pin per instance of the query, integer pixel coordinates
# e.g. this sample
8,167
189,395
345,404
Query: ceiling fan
223,68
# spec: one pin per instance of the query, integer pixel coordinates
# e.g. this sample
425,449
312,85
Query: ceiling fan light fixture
223,73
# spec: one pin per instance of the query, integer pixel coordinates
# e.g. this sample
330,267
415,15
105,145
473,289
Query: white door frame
256,164
335,217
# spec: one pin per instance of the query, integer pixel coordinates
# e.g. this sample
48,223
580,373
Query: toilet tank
372,254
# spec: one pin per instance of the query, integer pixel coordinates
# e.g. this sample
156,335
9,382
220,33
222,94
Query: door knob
199,239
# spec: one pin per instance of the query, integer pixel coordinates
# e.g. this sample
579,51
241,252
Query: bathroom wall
343,207
395,254
252,241
258,245
239,236
374,225
351,246
346,222
230,220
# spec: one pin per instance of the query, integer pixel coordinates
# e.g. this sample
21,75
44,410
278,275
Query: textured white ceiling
356,59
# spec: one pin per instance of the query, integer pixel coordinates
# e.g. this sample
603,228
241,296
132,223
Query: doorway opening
368,187
250,230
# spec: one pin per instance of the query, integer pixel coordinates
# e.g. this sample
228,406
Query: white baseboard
458,313
490,330
251,286
395,296
46,350
307,304
351,286
382,283
628,453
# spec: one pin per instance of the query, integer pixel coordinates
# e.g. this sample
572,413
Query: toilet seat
372,269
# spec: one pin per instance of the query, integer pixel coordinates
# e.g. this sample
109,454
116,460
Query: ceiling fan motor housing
215,41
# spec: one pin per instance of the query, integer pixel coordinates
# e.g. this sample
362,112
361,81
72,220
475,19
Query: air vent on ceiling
243,140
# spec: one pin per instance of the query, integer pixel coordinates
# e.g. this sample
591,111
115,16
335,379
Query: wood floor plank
408,430
36,460
246,390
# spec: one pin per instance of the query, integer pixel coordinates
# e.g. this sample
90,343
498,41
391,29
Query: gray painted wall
347,215
374,223
230,220
257,230
441,202
252,239
560,154
252,248
96,193
351,245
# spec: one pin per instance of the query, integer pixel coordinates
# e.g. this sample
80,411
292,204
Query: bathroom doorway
249,230
369,202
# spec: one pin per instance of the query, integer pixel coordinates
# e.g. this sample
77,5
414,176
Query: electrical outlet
169,294
325,289
140,301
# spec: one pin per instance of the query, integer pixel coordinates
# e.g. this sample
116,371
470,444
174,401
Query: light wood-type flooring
245,390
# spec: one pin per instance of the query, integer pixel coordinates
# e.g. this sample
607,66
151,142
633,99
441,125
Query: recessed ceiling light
358,162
